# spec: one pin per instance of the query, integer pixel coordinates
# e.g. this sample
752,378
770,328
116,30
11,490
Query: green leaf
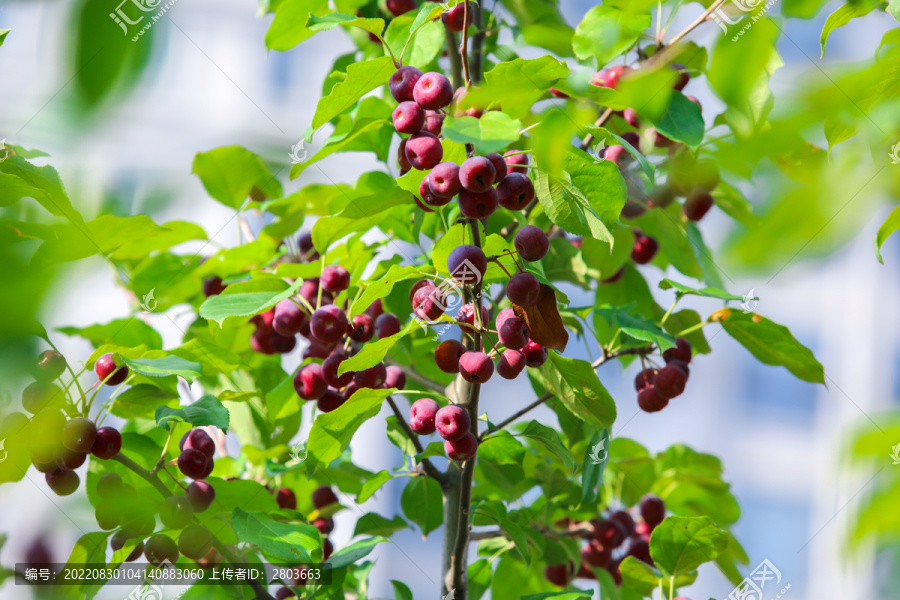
350,554
607,32
208,410
684,290
362,78
373,523
373,353
771,343
679,545
3,34
517,84
245,494
129,333
21,179
844,15
401,591
890,225
372,485
567,595
297,542
365,210
141,401
381,288
494,131
549,439
893,8
585,200
289,26
595,459
332,20
362,130
733,203
163,367
639,575
637,327
229,173
423,504
331,432
682,121
575,383
218,308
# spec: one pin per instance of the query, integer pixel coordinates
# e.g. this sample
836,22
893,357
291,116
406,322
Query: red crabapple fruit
515,191
531,243
422,414
476,367
452,422
462,449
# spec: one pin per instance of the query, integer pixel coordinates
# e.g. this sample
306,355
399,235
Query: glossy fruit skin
429,198
462,449
644,379
402,83
335,279
309,383
105,365
476,367
332,400
477,174
201,495
421,416
175,512
515,191
195,542
373,377
330,371
653,510
466,314
159,548
107,444
447,355
616,154
645,248
286,498
49,365
362,328
500,168
328,324
434,122
198,440
502,316
395,378
511,364
455,18
425,305
458,267
424,151
670,382
682,351
478,205
40,395
531,243
213,286
289,318
68,460
402,161
681,365
408,117
193,463
513,161
79,434
433,91
317,349
444,180
523,289
650,401
63,483
514,334
631,117
697,204
323,496
535,355
386,325
640,549
376,309
325,525
452,422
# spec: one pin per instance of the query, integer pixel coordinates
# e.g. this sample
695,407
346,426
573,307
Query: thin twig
601,120
416,376
455,59
463,47
702,18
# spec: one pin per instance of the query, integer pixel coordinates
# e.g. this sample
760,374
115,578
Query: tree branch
699,21
477,60
417,377
463,47
601,120
427,465
477,536
455,59
642,350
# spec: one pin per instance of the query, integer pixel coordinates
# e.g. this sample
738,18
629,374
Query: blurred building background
211,82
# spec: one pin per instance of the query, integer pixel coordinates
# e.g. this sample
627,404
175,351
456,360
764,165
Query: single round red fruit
106,367
644,379
523,289
332,400
328,324
335,279
452,422
670,382
201,495
697,204
395,378
650,401
653,510
478,205
559,575
433,91
682,351
511,364
500,168
477,174
444,180
402,83
408,117
514,334
513,161
425,303
531,243
213,286
455,18
466,314
107,444
330,371
515,191
362,328
447,355
193,463
62,482
309,382
476,367
373,377
198,440
421,416
424,151
386,325
535,355
79,434
323,496
467,264
644,248
462,449
595,554
286,498
608,533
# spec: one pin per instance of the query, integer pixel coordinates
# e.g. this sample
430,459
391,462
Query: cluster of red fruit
423,100
656,387
452,422
322,497
610,541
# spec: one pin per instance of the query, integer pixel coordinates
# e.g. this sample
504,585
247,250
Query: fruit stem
72,373
463,47
162,457
427,465
693,328
669,312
